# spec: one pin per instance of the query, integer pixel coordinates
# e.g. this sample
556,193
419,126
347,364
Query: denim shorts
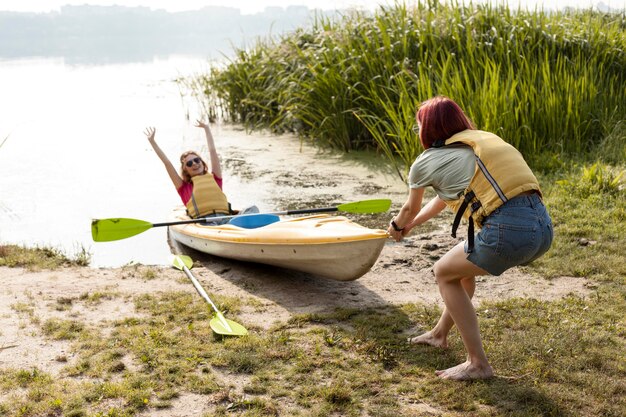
516,233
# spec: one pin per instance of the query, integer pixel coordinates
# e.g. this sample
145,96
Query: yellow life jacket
207,197
501,174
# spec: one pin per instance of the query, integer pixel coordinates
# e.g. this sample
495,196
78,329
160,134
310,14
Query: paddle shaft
278,213
204,295
304,211
198,220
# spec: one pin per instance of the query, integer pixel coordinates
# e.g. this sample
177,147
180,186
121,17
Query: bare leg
449,272
438,336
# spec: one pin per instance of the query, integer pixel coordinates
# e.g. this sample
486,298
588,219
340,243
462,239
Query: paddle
251,221
106,230
219,323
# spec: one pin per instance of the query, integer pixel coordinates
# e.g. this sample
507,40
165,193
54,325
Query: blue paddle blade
252,221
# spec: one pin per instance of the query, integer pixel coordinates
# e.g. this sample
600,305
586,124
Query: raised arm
171,171
216,168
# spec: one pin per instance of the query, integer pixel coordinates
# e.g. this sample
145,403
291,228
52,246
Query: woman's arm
408,211
174,176
430,210
411,214
216,168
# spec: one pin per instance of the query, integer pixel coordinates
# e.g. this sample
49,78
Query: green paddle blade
219,322
106,230
180,261
366,206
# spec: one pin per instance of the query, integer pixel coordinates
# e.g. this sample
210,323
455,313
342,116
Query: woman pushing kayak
200,190
485,180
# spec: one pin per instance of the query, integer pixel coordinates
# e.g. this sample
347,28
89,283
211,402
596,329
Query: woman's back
448,170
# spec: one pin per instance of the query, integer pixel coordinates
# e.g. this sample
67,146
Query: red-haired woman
200,191
485,180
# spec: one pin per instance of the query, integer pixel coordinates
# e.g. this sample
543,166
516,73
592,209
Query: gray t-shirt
448,170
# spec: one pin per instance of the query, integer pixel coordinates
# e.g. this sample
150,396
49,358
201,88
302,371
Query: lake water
75,151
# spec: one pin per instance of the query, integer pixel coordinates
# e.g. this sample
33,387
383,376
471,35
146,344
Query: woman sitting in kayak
200,191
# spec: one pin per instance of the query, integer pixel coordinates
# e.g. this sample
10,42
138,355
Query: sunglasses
195,160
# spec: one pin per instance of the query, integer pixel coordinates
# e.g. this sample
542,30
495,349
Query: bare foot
466,371
429,338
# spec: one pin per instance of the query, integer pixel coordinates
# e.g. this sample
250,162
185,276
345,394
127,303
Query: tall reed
545,82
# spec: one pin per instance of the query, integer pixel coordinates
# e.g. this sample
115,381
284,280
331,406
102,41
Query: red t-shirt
186,189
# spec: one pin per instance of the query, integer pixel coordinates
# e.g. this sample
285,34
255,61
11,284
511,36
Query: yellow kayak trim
309,230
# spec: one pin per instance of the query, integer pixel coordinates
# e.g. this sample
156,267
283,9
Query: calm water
76,151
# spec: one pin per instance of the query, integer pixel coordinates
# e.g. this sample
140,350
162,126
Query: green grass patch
589,215
96,298
41,257
58,329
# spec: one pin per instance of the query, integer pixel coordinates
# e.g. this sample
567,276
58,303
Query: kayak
330,246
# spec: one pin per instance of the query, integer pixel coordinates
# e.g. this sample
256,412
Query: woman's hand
396,235
149,132
200,123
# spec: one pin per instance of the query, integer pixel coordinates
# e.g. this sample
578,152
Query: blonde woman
200,190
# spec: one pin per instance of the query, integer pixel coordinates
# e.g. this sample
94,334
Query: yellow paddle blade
106,230
218,324
180,261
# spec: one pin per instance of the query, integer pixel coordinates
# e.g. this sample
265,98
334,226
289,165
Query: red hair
439,119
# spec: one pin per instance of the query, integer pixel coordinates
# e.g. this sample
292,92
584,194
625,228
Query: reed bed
548,83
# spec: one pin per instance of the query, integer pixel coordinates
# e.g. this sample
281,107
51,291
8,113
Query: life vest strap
195,206
459,215
470,236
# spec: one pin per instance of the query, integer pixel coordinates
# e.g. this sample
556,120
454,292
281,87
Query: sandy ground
296,174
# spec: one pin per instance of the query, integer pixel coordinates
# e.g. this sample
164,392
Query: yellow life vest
501,174
207,197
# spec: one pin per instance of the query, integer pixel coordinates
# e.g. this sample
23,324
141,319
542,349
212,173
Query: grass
41,257
589,214
548,82
553,358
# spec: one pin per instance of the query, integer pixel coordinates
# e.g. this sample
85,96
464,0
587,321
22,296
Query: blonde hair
183,172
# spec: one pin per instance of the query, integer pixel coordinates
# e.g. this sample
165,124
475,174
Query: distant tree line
118,33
